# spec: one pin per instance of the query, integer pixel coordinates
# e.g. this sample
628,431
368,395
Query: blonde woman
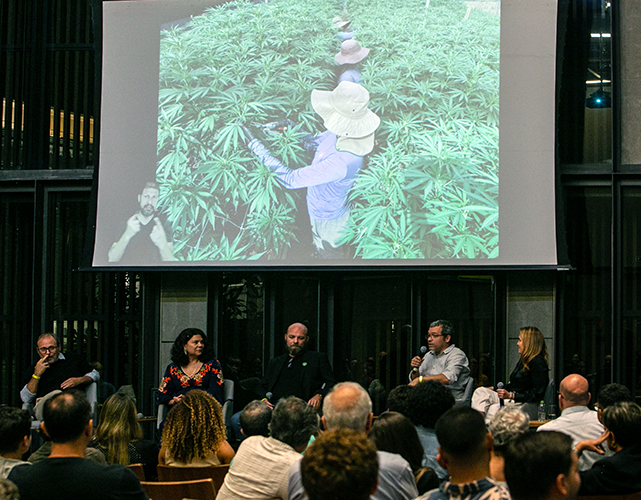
194,433
119,436
528,381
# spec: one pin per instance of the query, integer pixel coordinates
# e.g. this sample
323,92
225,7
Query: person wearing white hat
350,55
338,158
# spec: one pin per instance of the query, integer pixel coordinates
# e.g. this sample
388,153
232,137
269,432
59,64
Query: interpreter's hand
133,225
176,399
315,401
503,394
158,235
71,382
41,366
594,445
416,362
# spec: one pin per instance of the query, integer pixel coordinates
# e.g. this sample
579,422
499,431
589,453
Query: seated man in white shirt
444,363
576,419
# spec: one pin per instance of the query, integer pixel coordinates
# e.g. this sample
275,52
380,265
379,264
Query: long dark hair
394,432
178,356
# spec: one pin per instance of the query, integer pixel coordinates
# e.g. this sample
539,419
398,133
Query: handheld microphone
500,385
423,352
268,396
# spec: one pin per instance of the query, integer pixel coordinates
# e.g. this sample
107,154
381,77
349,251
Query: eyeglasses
434,335
45,350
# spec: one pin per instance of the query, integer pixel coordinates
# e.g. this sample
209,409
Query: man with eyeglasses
444,363
55,372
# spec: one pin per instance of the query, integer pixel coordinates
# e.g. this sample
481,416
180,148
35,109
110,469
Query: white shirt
451,363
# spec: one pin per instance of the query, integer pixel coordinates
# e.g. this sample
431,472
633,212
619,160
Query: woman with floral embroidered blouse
193,367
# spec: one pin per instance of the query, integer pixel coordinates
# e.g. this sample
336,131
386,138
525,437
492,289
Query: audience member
66,474
508,423
54,371
444,362
620,473
398,399
610,394
261,467
341,464
541,466
15,427
464,452
348,406
395,433
194,433
255,418
428,401
119,436
576,419
44,451
8,490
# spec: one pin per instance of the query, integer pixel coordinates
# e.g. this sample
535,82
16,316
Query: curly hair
194,428
427,402
178,356
398,399
533,345
118,427
340,464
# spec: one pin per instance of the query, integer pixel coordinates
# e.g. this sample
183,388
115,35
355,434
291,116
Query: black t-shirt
141,250
77,478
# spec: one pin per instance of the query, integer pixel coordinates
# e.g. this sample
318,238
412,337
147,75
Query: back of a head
574,390
624,421
427,402
194,427
398,399
341,464
613,393
347,406
294,422
508,423
66,416
255,418
534,460
395,433
462,435
15,424
118,427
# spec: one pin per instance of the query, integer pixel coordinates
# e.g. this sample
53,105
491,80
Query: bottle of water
542,411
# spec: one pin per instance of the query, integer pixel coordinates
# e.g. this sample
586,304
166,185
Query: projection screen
327,133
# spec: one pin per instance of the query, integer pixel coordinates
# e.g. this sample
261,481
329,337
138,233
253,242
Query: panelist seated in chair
192,366
55,371
194,433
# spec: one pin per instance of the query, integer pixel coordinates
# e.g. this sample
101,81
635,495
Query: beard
295,350
147,210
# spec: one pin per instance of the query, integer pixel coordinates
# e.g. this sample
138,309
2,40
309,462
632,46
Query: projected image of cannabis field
428,190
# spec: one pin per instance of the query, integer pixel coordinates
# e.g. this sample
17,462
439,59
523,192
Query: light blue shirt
328,179
395,479
430,450
453,364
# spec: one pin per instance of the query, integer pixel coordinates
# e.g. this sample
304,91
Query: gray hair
294,422
447,327
347,413
508,423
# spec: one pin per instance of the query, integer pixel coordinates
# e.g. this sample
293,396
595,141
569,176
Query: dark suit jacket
316,376
617,474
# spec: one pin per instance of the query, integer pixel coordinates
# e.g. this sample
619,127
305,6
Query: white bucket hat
351,53
344,110
359,147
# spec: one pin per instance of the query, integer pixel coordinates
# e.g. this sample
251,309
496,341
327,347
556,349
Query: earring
185,351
